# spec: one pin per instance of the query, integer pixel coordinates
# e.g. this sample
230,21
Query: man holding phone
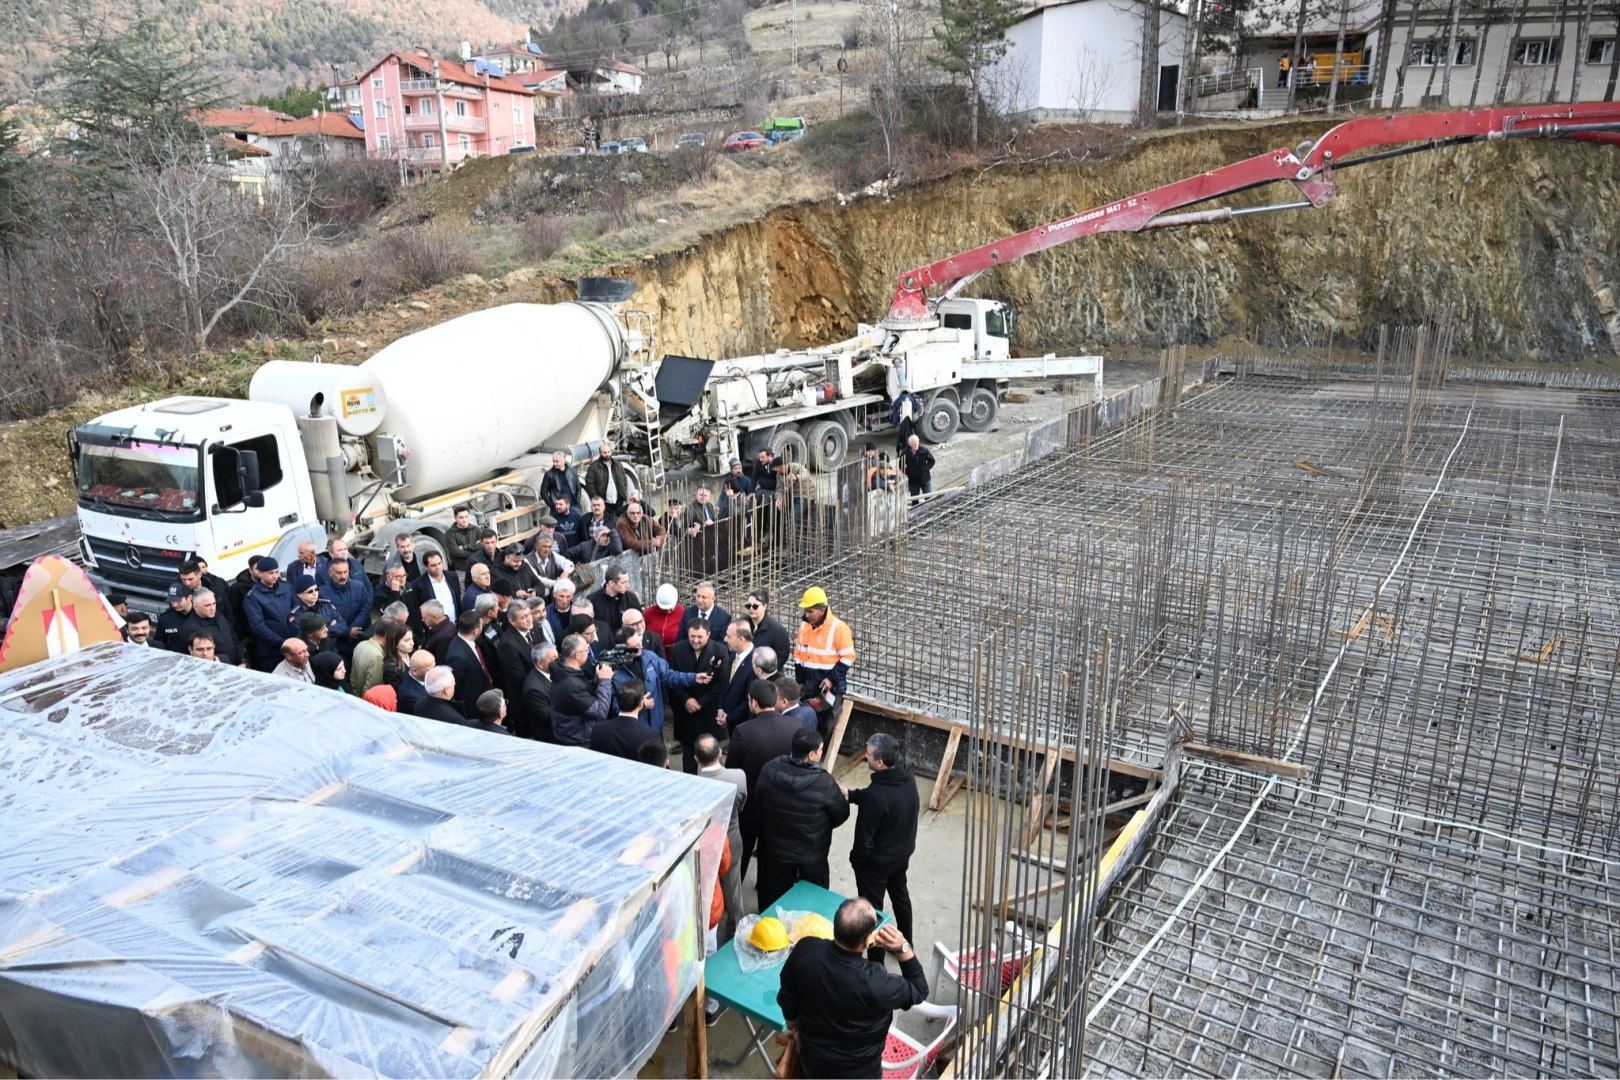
694,706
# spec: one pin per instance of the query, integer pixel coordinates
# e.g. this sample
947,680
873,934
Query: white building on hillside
1080,61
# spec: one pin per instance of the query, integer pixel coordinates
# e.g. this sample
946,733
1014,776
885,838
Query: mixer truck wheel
939,421
786,442
828,442
980,409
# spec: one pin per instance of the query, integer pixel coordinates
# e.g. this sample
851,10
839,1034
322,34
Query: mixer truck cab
185,476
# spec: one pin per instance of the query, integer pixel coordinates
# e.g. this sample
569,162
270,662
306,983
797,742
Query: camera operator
578,700
652,670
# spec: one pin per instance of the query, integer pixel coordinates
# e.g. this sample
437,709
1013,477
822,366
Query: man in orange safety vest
823,656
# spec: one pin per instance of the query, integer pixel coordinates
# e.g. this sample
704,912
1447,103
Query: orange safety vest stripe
826,645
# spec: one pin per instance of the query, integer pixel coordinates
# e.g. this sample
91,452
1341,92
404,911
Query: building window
1539,52
382,142
466,143
381,107
461,107
1600,51
377,83
426,105
1432,53
427,140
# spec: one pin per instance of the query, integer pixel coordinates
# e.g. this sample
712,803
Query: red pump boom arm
1312,173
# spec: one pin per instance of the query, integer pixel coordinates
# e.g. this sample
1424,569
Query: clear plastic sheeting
207,871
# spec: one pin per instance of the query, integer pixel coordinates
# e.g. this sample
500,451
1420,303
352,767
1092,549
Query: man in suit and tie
466,662
436,583
537,691
514,659
739,673
694,707
704,607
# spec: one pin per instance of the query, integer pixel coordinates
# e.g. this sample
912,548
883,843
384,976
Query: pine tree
973,39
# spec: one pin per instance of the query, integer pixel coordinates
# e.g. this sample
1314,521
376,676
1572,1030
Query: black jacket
844,1004
610,611
420,592
231,603
560,482
435,708
886,828
227,646
918,464
773,635
596,481
463,659
799,807
514,659
537,704
166,630
761,739
621,736
578,701
734,687
690,725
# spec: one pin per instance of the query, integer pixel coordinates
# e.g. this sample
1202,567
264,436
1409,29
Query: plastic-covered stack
211,872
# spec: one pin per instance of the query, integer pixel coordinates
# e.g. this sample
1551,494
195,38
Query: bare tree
1583,34
1338,55
1147,100
1558,56
1093,79
892,64
219,248
1507,51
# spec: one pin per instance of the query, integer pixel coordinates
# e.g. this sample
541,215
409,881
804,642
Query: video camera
616,657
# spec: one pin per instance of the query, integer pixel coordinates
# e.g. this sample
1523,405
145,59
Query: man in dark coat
514,660
768,633
466,661
838,1004
607,479
438,703
738,675
265,607
622,735
917,461
693,707
234,597
437,582
764,737
603,544
207,618
800,805
352,597
610,602
560,480
537,692
885,831
173,618
579,699
565,534
703,607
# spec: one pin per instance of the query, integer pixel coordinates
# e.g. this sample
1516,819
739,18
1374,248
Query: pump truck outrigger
374,451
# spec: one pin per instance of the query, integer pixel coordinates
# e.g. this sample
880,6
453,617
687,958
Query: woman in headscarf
382,695
329,671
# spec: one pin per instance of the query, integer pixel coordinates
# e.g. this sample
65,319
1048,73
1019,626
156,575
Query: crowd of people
501,639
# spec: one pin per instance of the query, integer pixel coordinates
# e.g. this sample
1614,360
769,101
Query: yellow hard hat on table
814,596
768,935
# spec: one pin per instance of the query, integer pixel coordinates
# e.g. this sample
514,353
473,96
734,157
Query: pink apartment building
434,113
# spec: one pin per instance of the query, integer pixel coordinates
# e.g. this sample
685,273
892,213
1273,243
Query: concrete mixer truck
366,452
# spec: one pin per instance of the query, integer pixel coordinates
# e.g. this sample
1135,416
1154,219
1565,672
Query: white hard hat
667,596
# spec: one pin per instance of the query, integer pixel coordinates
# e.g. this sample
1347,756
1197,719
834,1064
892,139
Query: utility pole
793,31
444,138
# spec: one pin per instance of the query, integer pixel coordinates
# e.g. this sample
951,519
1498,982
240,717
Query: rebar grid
1343,938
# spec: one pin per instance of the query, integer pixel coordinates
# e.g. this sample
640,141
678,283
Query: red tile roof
620,65
335,125
453,71
255,119
535,78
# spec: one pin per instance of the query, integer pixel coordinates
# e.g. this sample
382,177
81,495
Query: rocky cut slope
1521,239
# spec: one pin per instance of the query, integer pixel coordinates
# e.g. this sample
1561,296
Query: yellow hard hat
812,925
814,596
768,935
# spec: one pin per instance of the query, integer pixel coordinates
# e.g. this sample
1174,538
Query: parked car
521,150
743,140
691,138
610,148
574,151
633,145
785,129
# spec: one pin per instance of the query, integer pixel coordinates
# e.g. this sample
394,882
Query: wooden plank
838,730
1037,809
697,1033
950,793
914,716
936,801
1253,762
1024,897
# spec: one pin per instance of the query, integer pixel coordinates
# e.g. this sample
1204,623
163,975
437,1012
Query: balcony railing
452,122
429,86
